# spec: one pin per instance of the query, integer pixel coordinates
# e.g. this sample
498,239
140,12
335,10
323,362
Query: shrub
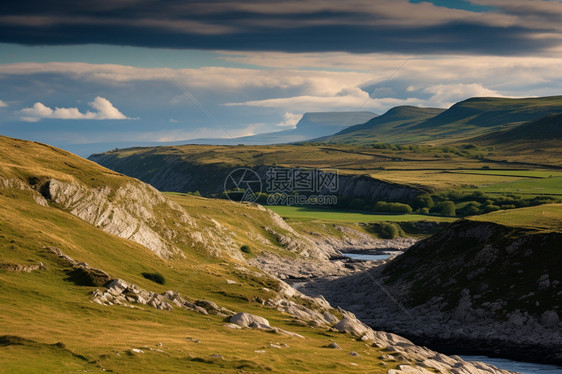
383,206
422,200
246,249
491,208
446,208
471,210
424,211
388,230
155,277
400,208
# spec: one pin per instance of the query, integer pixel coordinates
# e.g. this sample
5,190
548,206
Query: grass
542,186
49,324
545,217
429,168
305,213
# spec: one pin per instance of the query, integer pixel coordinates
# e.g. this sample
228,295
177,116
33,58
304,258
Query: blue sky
136,72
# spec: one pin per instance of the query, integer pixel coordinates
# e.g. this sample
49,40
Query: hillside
379,128
101,272
489,284
473,117
546,129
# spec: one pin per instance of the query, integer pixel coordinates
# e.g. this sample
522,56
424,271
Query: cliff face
129,212
170,173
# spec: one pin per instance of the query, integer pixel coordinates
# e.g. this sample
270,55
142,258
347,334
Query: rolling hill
397,117
464,120
101,272
546,128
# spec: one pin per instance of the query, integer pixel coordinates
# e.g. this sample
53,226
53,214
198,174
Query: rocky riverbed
462,323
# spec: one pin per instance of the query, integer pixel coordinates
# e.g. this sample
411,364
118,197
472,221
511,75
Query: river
516,366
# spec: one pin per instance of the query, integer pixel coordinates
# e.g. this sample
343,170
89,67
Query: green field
544,217
535,186
303,213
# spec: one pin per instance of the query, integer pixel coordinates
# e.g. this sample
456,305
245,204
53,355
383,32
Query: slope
470,118
78,295
381,127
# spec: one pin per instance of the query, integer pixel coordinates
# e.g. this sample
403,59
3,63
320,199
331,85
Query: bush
422,200
424,211
246,249
446,208
155,277
383,206
491,208
388,230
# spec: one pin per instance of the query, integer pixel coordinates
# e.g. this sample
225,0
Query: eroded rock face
128,211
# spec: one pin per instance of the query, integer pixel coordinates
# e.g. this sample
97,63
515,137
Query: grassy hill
546,130
473,117
379,128
48,322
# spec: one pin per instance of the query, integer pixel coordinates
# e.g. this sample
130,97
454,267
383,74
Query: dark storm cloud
292,26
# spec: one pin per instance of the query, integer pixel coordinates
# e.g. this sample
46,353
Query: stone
333,345
249,320
550,318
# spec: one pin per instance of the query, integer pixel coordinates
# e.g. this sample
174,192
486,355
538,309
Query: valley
166,272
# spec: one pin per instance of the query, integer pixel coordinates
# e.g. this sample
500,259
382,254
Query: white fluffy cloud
3,104
104,110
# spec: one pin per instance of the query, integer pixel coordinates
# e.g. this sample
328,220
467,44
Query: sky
125,72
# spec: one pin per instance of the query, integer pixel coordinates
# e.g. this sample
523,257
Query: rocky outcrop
476,287
128,211
25,268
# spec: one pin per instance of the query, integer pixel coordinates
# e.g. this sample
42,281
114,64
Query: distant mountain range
486,120
311,125
475,118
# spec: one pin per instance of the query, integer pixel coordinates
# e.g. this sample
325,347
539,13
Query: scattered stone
136,350
353,353
230,281
333,345
216,355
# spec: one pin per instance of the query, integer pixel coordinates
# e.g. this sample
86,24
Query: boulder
249,320
550,318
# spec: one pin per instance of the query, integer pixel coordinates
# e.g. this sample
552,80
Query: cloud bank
359,26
